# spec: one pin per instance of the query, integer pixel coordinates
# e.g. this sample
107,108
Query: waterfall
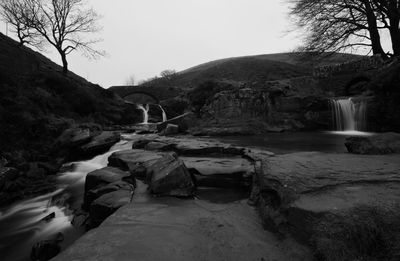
164,115
145,113
349,115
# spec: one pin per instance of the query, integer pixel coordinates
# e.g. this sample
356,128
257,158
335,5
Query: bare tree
130,80
168,74
337,25
389,15
63,24
18,14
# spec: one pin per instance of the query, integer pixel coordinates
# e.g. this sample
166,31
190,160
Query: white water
349,116
164,115
145,112
21,225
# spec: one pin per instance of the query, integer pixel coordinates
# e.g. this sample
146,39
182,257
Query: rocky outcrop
277,105
164,172
106,190
85,142
386,143
299,192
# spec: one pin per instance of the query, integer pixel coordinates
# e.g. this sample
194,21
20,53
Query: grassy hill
37,101
259,68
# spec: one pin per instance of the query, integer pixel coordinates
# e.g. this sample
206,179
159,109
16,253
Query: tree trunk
395,37
64,62
373,30
394,20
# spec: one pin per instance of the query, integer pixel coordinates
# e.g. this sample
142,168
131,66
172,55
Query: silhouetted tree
18,14
62,23
337,25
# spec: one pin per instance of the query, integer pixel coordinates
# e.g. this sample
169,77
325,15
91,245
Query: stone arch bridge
156,93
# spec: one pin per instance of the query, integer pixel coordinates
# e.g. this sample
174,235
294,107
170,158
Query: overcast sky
144,37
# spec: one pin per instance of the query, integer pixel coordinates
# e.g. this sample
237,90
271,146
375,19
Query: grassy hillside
37,101
259,68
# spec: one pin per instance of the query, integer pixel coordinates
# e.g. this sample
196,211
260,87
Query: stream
22,224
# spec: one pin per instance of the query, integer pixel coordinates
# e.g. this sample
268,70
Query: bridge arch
354,81
127,95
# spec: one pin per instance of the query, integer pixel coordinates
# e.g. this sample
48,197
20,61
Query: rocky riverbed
197,198
298,195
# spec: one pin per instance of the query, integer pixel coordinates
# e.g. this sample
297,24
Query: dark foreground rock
306,193
47,249
378,144
164,172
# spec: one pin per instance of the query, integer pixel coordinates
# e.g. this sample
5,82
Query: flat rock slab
220,172
299,189
186,146
131,159
184,230
312,171
213,166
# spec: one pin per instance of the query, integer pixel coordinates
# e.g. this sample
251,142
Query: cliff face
281,105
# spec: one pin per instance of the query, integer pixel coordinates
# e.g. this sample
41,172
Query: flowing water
145,112
349,115
22,224
164,115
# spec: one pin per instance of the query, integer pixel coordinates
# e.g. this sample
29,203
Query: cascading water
348,115
22,224
145,112
164,115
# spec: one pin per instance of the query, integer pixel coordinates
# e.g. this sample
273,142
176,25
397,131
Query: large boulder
107,204
105,176
385,143
132,159
170,177
220,172
99,144
97,192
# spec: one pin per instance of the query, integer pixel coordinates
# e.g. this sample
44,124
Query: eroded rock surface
298,190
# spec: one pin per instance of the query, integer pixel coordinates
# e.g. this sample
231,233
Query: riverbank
297,195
